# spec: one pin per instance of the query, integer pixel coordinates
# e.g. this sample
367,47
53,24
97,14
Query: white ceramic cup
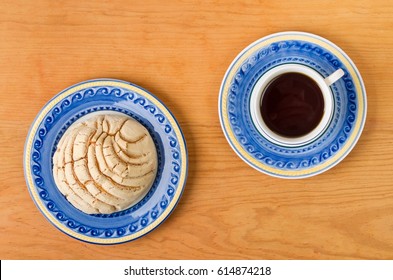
323,83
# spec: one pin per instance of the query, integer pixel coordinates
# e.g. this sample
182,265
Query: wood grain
180,50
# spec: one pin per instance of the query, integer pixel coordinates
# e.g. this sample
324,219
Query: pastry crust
105,164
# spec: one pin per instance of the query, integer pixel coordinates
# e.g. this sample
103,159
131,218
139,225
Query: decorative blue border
239,82
275,155
94,99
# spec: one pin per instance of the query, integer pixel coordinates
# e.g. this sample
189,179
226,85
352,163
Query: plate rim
360,92
55,100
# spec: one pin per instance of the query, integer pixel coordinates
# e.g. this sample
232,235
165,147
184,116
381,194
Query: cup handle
334,77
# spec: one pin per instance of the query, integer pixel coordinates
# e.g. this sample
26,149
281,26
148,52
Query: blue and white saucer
324,152
106,95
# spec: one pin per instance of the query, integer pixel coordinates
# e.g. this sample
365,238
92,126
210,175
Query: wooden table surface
180,50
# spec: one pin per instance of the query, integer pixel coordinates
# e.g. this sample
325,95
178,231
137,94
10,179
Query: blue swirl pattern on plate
172,162
241,83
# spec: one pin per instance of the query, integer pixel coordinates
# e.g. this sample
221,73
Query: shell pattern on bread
105,164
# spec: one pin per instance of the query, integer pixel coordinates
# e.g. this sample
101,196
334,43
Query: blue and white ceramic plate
328,149
121,97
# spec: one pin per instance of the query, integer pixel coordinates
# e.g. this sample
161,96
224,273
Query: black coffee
292,105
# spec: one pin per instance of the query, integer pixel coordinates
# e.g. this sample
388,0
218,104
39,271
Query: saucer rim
360,93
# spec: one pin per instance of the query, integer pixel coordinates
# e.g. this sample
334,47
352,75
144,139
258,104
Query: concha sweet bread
105,163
